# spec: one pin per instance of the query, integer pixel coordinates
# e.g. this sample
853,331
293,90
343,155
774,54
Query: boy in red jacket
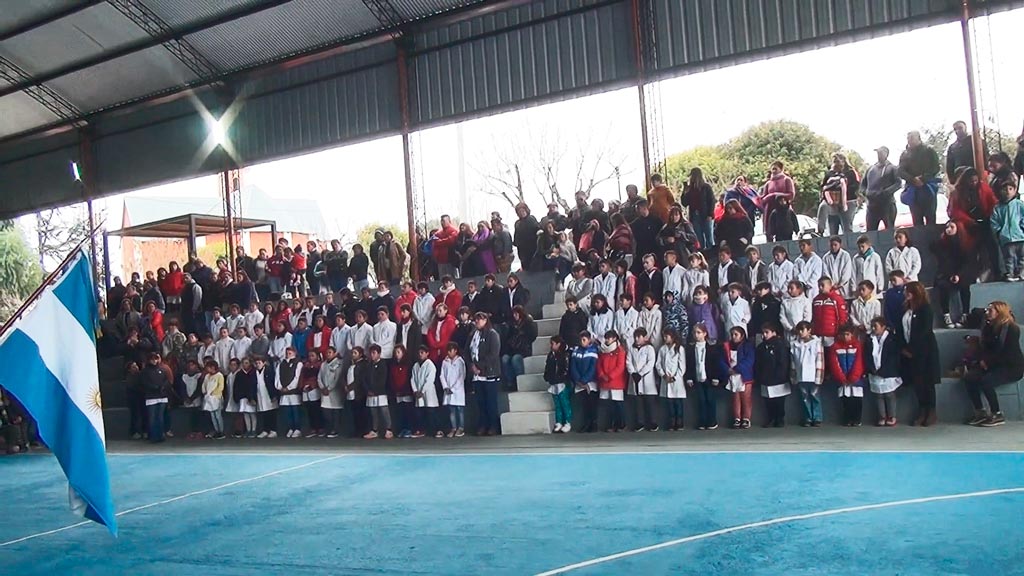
846,365
828,312
611,378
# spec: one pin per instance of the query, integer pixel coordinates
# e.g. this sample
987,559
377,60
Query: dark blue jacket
893,307
583,366
744,359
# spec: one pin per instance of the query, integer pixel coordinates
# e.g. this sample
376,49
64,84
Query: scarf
607,349
448,291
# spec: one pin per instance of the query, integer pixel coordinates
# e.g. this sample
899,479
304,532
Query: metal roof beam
153,25
44,95
386,14
143,44
48,18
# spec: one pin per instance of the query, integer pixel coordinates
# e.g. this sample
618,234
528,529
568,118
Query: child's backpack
975,319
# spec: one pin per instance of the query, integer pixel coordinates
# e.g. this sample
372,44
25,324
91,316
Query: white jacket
869,268
651,321
808,360
361,336
839,267
601,323
642,361
672,364
279,345
453,377
240,349
780,275
794,311
808,272
735,313
232,323
582,290
423,376
253,319
907,261
625,323
674,280
423,310
340,340
222,350
384,336
863,312
332,387
606,286
692,278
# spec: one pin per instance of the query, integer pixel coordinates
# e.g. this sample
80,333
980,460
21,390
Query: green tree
805,154
719,170
19,270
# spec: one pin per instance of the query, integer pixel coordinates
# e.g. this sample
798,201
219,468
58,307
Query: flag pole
46,282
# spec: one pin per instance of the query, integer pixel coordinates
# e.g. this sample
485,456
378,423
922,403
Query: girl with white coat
601,316
651,320
903,257
671,367
796,308
626,319
643,381
266,403
453,382
289,371
423,307
332,387
424,373
230,405
735,309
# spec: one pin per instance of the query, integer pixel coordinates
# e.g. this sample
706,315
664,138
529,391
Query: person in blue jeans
700,199
155,383
808,358
703,366
517,346
483,355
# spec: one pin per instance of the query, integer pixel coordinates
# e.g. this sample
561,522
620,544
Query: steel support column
972,92
229,217
87,173
106,261
410,202
191,240
638,53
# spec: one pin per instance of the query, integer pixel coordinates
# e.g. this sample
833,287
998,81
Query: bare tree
58,231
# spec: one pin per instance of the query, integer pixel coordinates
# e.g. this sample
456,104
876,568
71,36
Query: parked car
903,217
808,229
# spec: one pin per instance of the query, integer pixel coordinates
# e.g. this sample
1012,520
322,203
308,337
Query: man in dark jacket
312,259
961,152
560,221
336,265
493,299
880,184
645,236
245,263
919,166
525,239
629,209
154,382
483,356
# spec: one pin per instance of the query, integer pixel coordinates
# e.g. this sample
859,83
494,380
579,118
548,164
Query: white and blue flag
48,362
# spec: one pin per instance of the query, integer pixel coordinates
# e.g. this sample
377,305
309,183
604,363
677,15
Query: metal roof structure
129,89
187,225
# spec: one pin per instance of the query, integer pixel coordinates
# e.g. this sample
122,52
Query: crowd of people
647,315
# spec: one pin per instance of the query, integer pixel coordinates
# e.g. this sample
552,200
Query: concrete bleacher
529,410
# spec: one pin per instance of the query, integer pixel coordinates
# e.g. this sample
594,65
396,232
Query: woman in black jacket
517,346
698,197
957,268
734,229
525,239
483,359
920,366
1001,363
677,235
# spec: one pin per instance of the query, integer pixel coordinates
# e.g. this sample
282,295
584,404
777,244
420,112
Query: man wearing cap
881,182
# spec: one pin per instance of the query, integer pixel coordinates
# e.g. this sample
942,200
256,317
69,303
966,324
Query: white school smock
606,284
423,376
241,348
693,277
229,393
340,340
808,271
806,359
673,278
423,311
211,402
330,379
907,260
264,403
192,382
350,379
651,320
384,336
672,364
880,385
453,377
735,313
601,323
278,346
253,319
780,275
641,361
222,351
362,337
625,323
232,323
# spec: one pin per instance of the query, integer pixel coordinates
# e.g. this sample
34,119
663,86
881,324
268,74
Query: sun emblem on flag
95,402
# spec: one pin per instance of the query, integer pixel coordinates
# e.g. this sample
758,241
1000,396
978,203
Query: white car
903,217
808,227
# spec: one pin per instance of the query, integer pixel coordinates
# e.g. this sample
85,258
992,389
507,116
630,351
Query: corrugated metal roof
184,12
20,112
19,13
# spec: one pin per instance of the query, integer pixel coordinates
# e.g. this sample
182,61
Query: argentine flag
48,362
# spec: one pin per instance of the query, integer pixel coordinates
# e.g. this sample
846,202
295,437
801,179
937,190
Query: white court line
550,452
176,498
772,522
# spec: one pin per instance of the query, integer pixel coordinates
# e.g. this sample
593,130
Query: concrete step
534,364
1010,292
524,423
553,310
548,327
530,402
532,383
542,345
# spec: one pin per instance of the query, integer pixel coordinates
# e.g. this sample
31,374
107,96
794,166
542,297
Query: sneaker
702,427
219,436
567,428
237,435
640,429
272,434
736,424
136,436
1013,278
451,434
979,417
311,434
948,321
332,434
389,435
558,427
713,427
890,422
321,434
439,434
805,424
996,419
654,428
169,434
816,424
746,423
882,422
370,435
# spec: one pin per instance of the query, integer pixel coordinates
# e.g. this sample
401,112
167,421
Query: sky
860,95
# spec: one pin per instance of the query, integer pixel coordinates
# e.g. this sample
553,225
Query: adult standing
745,194
920,365
660,199
525,238
483,356
171,285
313,258
645,235
960,153
557,219
1001,364
444,241
880,184
919,166
245,262
192,306
396,257
734,229
336,265
677,234
839,196
778,186
629,206
698,197
502,246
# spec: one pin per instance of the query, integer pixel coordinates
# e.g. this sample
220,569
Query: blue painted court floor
595,513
